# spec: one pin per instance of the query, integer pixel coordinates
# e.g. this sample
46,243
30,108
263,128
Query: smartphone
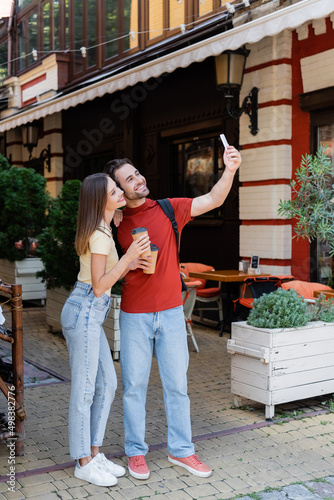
224,141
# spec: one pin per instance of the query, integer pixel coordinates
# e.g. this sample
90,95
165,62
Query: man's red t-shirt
141,292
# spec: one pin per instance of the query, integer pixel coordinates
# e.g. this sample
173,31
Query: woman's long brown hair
92,203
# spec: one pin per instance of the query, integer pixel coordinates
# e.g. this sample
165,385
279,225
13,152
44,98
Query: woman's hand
137,247
118,217
140,263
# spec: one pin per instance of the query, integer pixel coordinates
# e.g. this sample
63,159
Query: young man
152,317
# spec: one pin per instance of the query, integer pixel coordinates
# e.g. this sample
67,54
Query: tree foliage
23,205
56,247
312,199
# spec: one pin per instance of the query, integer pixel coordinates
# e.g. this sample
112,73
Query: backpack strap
168,210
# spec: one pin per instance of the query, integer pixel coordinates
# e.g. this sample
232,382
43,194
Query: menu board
255,261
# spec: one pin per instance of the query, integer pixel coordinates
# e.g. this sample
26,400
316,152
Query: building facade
105,79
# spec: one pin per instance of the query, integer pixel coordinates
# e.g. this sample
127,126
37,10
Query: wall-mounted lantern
30,140
230,67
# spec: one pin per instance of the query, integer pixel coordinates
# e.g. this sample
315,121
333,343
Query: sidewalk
248,454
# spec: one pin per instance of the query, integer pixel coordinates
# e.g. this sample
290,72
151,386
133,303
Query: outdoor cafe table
329,294
231,279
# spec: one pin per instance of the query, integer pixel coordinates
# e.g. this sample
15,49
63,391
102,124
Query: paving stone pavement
291,457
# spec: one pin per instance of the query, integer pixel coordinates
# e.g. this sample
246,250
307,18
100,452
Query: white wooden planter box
23,272
55,300
281,365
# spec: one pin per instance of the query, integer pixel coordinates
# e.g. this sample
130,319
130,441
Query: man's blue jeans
164,334
93,377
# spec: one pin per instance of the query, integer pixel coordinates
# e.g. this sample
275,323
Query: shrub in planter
56,248
24,203
286,309
279,309
323,310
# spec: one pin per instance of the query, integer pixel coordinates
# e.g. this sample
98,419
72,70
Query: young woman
93,374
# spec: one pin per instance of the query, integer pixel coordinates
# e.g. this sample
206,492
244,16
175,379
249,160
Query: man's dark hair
114,165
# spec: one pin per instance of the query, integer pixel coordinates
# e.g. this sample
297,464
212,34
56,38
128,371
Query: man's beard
136,196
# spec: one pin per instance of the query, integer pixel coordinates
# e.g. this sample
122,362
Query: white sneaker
95,473
116,470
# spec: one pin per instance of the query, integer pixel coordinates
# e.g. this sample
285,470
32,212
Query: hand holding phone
224,141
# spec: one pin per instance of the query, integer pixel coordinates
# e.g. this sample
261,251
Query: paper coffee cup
154,254
136,233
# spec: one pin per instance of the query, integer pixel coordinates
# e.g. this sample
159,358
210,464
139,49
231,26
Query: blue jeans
164,334
93,377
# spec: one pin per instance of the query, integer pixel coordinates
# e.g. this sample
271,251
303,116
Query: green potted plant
56,242
61,263
57,252
285,350
24,204
312,201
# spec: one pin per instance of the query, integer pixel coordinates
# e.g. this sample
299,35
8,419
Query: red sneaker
138,467
192,464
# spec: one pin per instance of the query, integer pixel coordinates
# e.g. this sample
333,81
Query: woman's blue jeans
164,334
93,377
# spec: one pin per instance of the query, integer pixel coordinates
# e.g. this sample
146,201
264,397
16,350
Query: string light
230,8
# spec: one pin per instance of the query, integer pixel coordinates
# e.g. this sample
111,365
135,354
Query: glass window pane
155,18
78,36
67,42
21,51
324,261
20,4
199,167
130,23
3,60
176,13
111,28
326,137
206,6
91,33
56,25
46,27
32,27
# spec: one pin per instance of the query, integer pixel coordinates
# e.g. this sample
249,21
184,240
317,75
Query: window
155,18
130,24
3,60
197,165
78,36
46,27
176,14
21,51
32,40
56,25
20,4
205,7
111,29
91,33
325,136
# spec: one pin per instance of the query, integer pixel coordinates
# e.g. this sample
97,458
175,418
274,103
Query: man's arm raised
220,190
